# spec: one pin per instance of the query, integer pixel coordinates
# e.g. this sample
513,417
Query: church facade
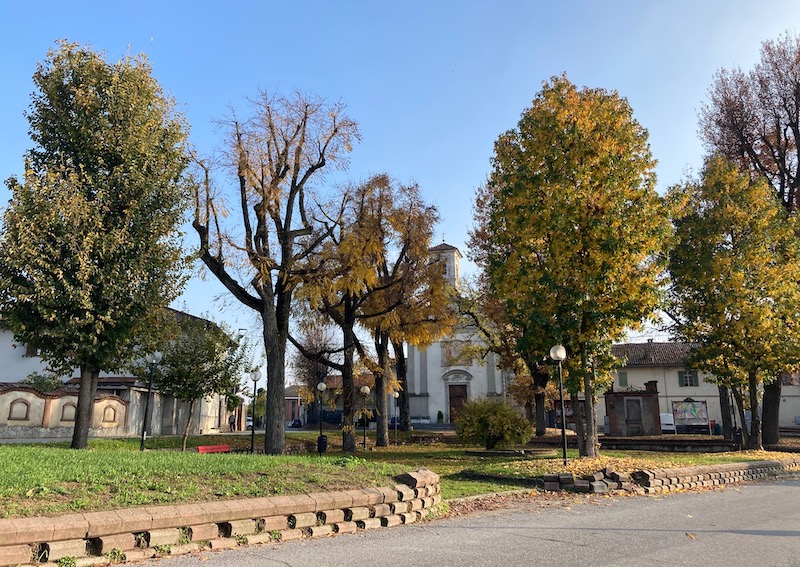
438,382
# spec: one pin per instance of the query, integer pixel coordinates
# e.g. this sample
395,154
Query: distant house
26,412
666,364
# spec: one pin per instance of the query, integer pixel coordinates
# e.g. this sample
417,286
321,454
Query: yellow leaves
690,535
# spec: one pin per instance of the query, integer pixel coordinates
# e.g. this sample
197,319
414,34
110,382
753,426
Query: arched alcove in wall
68,411
19,410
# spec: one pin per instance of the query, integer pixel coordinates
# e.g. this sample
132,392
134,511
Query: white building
119,403
438,385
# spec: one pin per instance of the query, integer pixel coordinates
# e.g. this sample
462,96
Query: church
437,381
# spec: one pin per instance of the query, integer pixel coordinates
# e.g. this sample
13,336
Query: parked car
248,422
667,423
295,423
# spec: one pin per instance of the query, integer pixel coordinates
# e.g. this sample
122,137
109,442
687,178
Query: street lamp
365,391
395,395
152,359
322,440
254,376
559,353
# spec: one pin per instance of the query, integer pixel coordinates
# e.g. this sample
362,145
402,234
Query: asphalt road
749,525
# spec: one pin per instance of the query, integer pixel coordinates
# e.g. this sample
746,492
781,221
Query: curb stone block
164,517
184,549
404,492
275,523
139,555
35,529
380,510
243,527
599,487
389,495
390,521
416,505
409,518
223,543
359,497
369,523
427,502
103,523
354,514
134,520
400,507
410,479
15,555
67,548
89,561
552,486
306,520
331,516
259,538
241,509
204,532
437,499
289,535
345,527
320,531
123,542
168,536
375,496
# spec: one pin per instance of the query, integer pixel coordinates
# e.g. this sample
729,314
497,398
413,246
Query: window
623,379
687,378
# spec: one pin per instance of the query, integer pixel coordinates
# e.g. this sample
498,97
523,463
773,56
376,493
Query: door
633,416
458,395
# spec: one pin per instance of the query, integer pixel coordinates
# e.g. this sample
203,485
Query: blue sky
432,83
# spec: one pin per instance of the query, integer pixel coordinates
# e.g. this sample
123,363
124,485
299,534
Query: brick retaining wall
95,538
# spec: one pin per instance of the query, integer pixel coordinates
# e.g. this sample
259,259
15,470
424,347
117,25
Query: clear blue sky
432,83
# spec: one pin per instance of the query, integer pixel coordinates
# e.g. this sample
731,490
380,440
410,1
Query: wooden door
633,416
458,395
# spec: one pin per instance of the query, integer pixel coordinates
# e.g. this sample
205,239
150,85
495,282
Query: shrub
491,423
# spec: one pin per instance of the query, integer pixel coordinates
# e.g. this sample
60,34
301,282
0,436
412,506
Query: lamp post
365,390
322,440
559,353
152,359
395,395
254,376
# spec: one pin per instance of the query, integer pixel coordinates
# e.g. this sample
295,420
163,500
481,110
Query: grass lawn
53,479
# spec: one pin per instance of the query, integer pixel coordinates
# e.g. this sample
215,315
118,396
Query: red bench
214,449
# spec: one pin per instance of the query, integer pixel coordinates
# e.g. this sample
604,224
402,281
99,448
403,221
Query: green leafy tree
574,227
492,423
735,268
202,360
43,382
752,119
89,252
276,155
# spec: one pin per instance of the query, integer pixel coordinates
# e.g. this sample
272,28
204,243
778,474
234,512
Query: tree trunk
770,427
275,319
540,375
737,394
725,408
539,413
83,413
348,382
530,414
754,442
587,437
402,374
381,390
188,425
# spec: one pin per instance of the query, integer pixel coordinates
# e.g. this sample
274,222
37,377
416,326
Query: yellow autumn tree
365,275
575,229
734,272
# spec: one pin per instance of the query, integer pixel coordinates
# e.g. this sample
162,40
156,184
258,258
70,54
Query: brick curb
96,538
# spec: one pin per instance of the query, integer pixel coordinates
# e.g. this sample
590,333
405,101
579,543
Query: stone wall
95,538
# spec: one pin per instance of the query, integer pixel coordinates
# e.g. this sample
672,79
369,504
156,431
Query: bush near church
492,423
